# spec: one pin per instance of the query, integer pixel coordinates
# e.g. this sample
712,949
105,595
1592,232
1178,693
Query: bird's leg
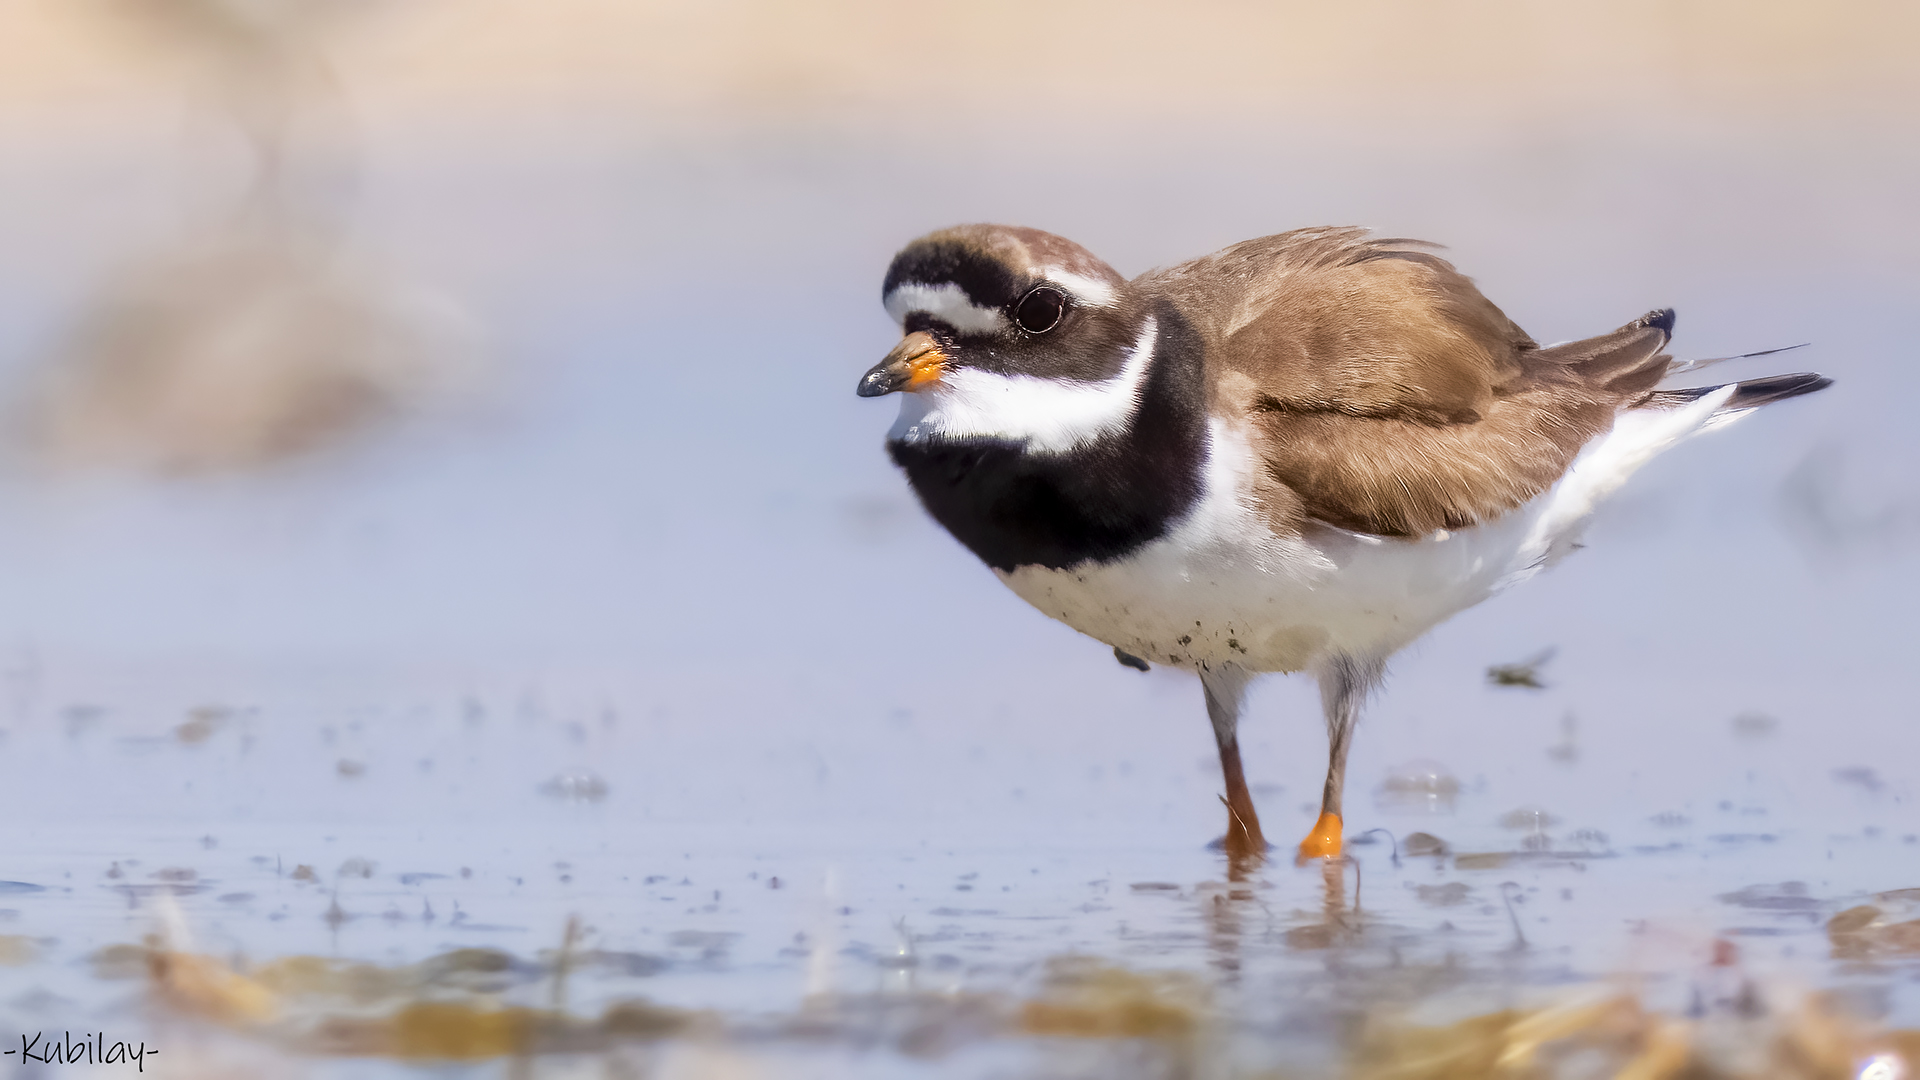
1344,684
1225,687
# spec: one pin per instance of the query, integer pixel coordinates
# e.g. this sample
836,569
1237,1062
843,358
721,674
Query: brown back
1386,395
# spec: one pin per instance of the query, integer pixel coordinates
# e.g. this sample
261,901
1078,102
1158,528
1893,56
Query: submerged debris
1617,1037
1525,673
17,950
1859,776
1087,998
477,1031
1525,1043
202,724
1449,894
118,962
446,1031
1866,930
470,1005
445,1008
1787,896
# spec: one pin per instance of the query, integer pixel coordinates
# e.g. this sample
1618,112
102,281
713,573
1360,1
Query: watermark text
92,1048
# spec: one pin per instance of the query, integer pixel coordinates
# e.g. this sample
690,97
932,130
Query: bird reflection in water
1230,909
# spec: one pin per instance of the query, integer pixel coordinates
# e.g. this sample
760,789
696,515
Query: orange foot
1324,841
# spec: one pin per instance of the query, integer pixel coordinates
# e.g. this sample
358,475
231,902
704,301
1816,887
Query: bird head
1006,332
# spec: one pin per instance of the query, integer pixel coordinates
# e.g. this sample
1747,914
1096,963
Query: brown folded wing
1386,395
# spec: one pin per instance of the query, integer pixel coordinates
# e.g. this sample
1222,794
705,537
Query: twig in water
1391,839
1520,937
564,963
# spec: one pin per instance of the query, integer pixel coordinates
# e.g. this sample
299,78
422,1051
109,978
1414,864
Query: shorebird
1297,454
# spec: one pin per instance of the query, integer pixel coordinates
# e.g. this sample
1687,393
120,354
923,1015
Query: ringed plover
1299,453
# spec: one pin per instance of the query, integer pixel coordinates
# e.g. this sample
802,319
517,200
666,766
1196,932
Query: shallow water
461,865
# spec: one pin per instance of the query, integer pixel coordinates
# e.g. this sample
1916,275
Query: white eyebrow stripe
1090,291
947,302
1047,415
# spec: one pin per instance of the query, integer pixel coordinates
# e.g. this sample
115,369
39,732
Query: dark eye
1039,311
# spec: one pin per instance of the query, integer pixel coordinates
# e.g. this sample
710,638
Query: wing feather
1386,393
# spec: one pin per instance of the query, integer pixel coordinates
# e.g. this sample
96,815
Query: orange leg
1225,686
1344,683
1323,840
1243,823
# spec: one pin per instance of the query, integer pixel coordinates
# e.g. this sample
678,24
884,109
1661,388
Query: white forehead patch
1090,291
1048,415
948,303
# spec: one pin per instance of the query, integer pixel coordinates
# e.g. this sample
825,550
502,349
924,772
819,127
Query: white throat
1047,415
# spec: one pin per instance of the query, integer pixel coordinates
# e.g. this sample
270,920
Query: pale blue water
667,555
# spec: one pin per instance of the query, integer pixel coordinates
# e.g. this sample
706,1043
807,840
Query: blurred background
376,371
500,342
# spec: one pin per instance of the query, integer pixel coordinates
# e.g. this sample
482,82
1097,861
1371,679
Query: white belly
1223,588
1275,604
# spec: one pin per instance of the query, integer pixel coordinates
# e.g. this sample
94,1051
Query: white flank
948,303
1603,465
1222,588
1049,416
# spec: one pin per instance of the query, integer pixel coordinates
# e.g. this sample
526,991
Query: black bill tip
879,382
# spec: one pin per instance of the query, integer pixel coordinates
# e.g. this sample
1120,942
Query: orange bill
915,363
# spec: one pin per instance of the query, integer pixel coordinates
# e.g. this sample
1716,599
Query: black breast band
1102,501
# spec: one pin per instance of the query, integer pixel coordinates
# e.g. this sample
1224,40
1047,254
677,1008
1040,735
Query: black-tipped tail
1662,319
1748,393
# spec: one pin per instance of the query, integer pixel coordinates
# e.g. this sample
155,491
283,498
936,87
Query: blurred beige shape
1414,65
17,950
243,348
198,985
268,335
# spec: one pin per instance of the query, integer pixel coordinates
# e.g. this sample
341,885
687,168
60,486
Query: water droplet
577,785
1422,785
1531,818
